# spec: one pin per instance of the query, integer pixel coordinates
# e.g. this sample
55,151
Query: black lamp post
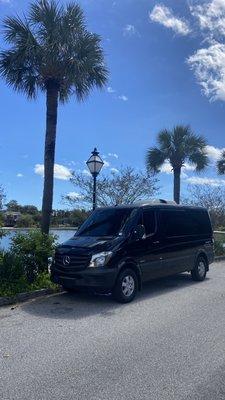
95,164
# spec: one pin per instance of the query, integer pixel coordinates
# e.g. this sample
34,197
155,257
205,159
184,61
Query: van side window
185,222
149,221
173,222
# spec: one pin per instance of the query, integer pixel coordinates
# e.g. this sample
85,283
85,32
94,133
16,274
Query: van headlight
100,259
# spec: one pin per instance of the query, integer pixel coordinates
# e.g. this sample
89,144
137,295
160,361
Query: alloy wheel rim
128,285
201,268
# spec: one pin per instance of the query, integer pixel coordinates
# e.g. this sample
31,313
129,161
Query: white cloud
60,171
74,196
114,170
211,17
86,172
208,65
196,180
164,16
130,30
123,97
167,168
106,164
113,155
110,89
19,175
214,153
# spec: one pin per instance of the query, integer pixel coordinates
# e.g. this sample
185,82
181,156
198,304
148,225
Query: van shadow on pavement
80,305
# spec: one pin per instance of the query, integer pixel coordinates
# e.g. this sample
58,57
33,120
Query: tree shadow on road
81,305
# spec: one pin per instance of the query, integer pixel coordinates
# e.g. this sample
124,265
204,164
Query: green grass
9,289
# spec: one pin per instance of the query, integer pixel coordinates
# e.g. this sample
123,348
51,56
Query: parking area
168,344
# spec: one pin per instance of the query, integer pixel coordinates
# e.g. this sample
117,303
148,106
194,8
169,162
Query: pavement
168,344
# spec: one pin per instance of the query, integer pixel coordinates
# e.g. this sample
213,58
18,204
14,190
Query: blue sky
167,66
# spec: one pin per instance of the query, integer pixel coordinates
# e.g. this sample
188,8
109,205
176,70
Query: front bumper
99,278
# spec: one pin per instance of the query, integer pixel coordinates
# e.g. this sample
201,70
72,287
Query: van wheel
200,270
126,286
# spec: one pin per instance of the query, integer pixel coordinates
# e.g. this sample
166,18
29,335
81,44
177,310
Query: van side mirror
139,232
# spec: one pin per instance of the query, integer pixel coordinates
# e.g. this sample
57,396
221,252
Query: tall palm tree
221,164
51,50
178,147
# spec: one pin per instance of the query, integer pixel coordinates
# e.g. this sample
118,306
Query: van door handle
156,242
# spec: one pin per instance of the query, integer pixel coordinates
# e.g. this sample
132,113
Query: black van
118,248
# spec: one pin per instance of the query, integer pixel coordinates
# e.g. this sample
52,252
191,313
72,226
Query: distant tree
29,209
72,218
77,217
13,205
25,221
177,147
51,50
221,164
213,198
123,187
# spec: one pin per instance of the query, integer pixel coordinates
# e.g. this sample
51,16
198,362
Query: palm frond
199,159
195,141
86,68
73,19
178,146
45,14
53,45
180,132
164,139
221,164
18,73
154,159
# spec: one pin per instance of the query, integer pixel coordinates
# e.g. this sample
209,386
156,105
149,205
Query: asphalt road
167,344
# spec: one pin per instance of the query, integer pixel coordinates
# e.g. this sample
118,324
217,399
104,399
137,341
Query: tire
126,286
200,270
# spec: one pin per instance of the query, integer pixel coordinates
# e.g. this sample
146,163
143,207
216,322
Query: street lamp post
95,164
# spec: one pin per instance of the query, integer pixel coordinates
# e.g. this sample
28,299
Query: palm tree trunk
49,157
176,187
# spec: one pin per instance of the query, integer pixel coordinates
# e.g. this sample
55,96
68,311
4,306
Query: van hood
90,244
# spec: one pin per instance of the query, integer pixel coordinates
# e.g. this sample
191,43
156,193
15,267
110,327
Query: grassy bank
21,285
24,267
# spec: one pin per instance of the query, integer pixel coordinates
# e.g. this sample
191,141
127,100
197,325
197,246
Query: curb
21,297
219,258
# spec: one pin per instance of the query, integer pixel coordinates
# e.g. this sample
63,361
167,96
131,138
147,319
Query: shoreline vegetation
24,266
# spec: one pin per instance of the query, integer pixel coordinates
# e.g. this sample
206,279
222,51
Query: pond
62,234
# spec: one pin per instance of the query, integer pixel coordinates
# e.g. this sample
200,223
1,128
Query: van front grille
78,262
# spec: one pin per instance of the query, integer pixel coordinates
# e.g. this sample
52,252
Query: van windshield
105,222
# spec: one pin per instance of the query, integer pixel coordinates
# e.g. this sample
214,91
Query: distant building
11,217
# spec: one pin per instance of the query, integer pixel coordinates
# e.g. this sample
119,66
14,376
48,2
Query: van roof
161,203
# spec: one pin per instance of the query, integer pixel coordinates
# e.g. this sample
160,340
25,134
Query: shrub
12,278
25,221
219,248
33,249
11,268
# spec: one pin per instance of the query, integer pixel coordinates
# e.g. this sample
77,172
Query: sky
167,66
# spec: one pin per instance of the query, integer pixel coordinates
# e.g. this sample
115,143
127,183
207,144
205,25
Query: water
62,234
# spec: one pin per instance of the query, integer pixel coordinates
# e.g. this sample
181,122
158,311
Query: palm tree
178,147
221,164
51,50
